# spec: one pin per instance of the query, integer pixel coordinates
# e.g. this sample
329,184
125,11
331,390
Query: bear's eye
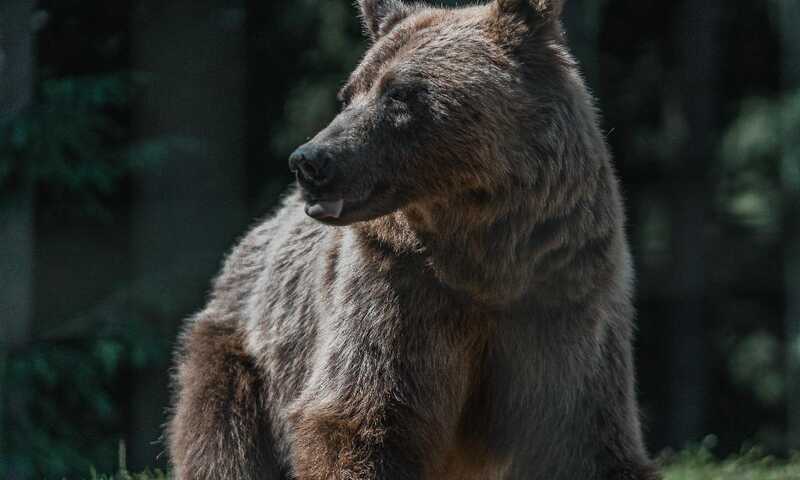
405,94
399,95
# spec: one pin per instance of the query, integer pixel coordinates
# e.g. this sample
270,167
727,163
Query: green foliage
759,171
761,160
66,395
756,363
75,139
64,410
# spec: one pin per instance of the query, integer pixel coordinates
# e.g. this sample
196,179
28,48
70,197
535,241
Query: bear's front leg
219,428
357,442
385,409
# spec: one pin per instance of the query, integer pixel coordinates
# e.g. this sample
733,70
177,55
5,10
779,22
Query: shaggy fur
467,316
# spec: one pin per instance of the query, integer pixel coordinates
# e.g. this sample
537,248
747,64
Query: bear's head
446,104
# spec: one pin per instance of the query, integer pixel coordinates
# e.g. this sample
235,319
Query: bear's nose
312,164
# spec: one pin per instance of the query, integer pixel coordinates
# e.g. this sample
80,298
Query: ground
694,465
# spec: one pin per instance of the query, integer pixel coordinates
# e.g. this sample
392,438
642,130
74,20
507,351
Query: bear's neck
508,249
551,234
472,245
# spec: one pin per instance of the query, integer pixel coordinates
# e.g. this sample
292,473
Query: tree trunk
189,209
698,31
16,199
792,282
789,18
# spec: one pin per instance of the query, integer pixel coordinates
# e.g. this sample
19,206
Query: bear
445,294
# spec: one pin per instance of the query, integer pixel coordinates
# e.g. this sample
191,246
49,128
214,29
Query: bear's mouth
339,211
325,209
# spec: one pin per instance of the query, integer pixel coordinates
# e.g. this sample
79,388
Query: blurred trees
191,208
788,12
760,157
16,203
697,70
17,64
157,131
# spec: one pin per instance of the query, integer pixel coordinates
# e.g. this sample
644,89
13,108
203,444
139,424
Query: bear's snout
313,165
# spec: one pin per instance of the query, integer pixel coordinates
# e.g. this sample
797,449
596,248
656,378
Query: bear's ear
379,16
548,10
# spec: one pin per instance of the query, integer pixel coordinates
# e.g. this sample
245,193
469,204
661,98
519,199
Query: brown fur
469,316
222,431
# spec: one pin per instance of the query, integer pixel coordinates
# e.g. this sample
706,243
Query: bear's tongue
325,209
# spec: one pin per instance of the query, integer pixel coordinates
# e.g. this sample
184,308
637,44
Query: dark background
139,138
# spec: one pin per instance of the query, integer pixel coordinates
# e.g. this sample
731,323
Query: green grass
701,465
696,464
158,475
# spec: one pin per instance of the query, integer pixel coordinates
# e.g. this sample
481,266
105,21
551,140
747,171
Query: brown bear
447,295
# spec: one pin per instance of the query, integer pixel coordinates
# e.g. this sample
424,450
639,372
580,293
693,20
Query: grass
123,475
697,464
701,465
